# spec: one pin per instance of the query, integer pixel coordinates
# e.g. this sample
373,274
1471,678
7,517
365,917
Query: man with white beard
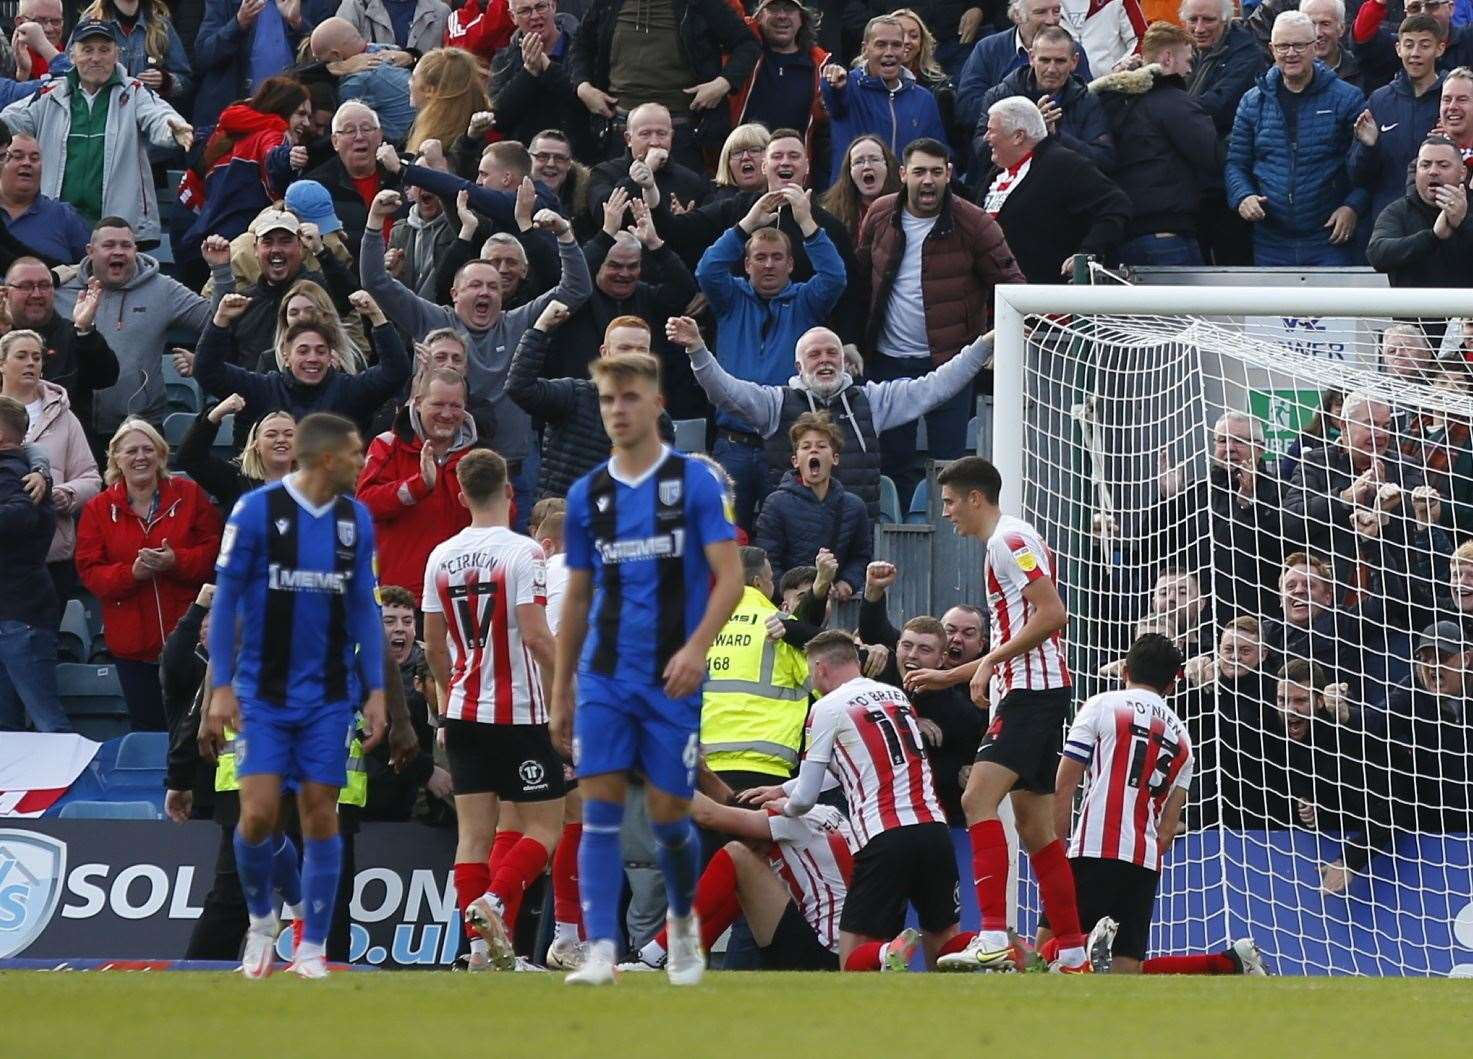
861,410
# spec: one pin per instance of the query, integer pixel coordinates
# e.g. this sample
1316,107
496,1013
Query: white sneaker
686,962
598,966
1245,951
1101,945
565,955
979,955
524,964
260,949
311,967
639,966
485,919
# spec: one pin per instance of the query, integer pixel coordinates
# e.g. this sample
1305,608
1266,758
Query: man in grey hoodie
861,410
475,310
140,305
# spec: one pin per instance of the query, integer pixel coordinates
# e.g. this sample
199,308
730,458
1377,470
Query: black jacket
714,39
1222,75
795,524
1064,206
1084,126
25,537
255,329
574,440
691,234
525,105
222,479
672,178
182,671
346,202
392,794
1404,246
357,397
79,364
1165,148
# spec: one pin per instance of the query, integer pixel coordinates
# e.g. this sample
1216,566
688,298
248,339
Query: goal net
1282,482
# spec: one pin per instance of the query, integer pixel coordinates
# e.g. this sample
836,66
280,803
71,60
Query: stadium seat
109,811
176,425
183,395
690,435
101,729
972,426
90,691
920,504
164,252
74,642
143,752
225,436
889,500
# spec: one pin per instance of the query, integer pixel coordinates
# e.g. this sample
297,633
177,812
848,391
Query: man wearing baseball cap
94,126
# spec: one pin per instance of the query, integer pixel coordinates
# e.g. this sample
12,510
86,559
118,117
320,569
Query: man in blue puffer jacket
880,97
1286,170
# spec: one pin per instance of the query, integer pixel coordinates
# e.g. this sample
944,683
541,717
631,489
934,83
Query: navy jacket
222,53
1084,128
795,524
865,105
992,59
1304,175
1405,120
1222,74
25,537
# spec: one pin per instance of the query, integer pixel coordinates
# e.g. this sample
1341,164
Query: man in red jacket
408,482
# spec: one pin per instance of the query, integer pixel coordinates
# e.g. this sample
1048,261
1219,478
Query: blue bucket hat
312,204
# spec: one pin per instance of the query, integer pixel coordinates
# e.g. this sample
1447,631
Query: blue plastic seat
74,639
889,500
109,811
690,435
90,691
920,504
143,752
176,425
973,425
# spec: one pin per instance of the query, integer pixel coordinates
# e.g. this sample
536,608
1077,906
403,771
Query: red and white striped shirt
477,579
865,732
1016,557
815,862
1137,751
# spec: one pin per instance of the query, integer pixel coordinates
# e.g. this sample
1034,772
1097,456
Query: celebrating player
787,876
1020,752
1140,765
295,645
653,574
487,641
865,734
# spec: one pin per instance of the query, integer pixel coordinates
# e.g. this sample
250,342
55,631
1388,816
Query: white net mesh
1286,497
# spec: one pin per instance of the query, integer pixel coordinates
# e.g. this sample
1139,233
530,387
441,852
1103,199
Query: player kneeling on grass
787,875
296,642
487,640
1139,763
865,733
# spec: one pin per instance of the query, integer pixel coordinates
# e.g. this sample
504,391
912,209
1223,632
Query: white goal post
1248,471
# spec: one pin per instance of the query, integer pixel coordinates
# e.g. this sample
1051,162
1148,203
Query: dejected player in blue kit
296,644
653,574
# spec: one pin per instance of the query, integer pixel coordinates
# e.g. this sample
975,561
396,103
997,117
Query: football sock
717,905
1215,963
286,874
601,868
565,910
322,865
990,872
566,933
472,878
253,865
519,869
867,957
1056,890
501,845
957,943
679,856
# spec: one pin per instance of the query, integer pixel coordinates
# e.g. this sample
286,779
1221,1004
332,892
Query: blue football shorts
620,725
312,748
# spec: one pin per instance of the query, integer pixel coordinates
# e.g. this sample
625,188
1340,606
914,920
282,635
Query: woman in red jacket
145,544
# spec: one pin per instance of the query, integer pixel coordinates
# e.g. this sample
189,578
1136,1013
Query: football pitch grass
113,1015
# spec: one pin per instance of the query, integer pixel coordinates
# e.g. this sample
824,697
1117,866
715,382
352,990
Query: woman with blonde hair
740,166
268,455
446,88
919,58
151,49
869,171
145,544
309,299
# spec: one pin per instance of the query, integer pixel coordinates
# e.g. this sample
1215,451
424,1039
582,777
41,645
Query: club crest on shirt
282,525
347,532
602,503
670,492
1026,562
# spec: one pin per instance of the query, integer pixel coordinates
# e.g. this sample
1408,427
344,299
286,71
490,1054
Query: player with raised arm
1139,762
1019,755
653,575
487,642
296,643
865,735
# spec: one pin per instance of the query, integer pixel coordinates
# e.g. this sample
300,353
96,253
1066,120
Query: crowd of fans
431,221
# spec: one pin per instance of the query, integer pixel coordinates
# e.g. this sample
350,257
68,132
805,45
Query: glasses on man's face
1422,7
542,7
548,157
1288,46
357,130
32,286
